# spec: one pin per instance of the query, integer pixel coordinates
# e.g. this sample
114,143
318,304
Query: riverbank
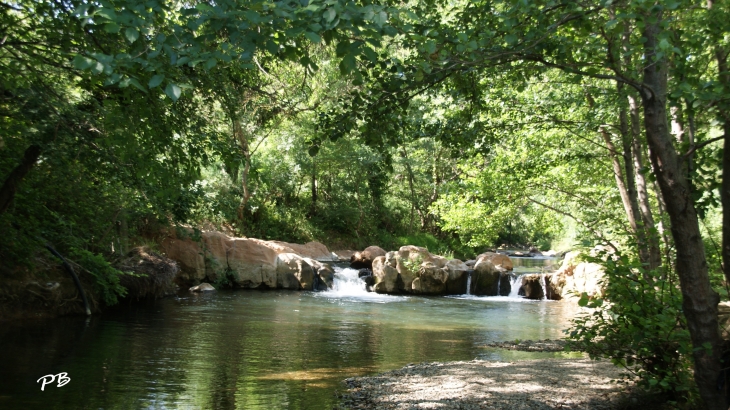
479,384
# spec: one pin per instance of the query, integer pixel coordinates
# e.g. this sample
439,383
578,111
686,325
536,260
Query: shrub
639,325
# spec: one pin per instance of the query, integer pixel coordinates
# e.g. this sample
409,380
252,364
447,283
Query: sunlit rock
187,253
252,263
215,252
365,258
385,274
500,261
203,287
431,280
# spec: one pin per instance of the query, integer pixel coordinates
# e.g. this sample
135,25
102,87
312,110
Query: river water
256,349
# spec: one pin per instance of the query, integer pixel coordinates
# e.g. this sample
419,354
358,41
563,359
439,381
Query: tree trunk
411,179
723,76
699,300
10,186
623,189
652,237
314,188
240,136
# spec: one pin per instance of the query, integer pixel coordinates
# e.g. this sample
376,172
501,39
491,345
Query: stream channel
259,349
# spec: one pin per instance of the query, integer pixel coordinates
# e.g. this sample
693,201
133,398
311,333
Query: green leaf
313,37
511,39
155,80
203,7
131,34
313,150
107,13
173,91
83,63
348,64
111,27
330,15
97,68
381,18
211,63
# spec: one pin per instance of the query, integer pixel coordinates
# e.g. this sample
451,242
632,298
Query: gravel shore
530,384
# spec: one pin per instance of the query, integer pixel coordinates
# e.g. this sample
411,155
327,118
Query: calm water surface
255,349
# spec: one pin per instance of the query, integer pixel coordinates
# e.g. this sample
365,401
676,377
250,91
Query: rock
470,263
458,275
188,254
485,278
215,252
500,261
203,287
293,272
431,280
252,263
154,274
574,276
531,287
324,272
361,273
312,250
505,283
344,255
385,274
365,258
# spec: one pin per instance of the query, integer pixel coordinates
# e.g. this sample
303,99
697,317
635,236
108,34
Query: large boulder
458,276
154,274
324,274
215,252
574,278
365,258
500,261
431,280
189,256
485,279
252,263
385,275
293,272
532,287
312,250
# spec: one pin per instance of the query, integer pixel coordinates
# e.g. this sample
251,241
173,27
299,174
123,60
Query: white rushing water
347,285
468,284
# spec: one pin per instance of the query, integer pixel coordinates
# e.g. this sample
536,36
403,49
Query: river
256,349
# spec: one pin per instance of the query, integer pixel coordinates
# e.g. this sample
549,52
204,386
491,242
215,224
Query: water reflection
251,350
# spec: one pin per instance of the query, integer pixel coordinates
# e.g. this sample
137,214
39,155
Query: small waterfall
348,282
468,282
515,284
499,284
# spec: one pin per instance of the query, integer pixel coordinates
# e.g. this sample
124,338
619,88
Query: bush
106,277
639,325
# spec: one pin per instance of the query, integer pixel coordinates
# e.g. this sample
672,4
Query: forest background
455,125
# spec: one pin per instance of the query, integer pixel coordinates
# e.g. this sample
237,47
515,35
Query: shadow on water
250,349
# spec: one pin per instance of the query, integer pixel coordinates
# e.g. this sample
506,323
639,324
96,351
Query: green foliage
106,277
638,324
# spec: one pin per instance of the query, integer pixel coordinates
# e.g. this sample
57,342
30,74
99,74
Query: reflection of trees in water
254,349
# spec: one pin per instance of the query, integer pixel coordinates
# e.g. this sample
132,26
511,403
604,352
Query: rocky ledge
546,345
531,384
